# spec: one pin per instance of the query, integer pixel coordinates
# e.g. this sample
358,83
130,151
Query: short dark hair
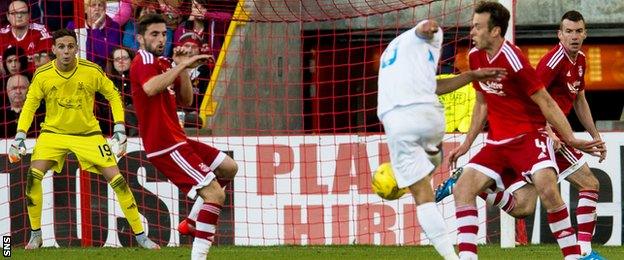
19,53
499,15
62,33
573,16
147,20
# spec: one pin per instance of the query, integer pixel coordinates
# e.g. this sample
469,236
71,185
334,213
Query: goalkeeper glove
18,148
119,140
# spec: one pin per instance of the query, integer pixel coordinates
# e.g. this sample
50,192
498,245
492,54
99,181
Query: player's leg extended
545,181
430,219
95,155
587,184
34,200
213,197
49,153
128,205
225,170
469,185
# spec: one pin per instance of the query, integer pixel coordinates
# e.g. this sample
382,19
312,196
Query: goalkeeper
68,86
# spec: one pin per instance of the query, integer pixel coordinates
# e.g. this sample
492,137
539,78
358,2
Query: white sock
195,209
200,249
433,224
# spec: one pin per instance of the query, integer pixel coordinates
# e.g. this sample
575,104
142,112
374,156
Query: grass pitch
549,251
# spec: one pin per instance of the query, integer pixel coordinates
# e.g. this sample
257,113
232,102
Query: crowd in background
108,39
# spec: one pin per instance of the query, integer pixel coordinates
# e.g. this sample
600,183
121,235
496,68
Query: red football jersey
562,76
158,120
511,112
36,40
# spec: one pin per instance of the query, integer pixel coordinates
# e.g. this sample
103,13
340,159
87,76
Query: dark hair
147,20
499,15
110,68
62,33
573,16
21,58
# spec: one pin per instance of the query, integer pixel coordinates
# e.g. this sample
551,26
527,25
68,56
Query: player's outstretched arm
557,119
160,82
451,84
477,123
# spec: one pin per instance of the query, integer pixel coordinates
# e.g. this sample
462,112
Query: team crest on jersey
204,167
574,87
492,87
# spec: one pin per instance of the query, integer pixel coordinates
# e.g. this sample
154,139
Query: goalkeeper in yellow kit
68,85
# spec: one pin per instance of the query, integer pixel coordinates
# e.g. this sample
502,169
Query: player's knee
523,210
227,169
213,193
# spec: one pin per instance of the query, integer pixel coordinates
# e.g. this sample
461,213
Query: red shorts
569,160
189,166
510,163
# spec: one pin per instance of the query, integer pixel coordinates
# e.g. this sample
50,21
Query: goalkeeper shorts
91,151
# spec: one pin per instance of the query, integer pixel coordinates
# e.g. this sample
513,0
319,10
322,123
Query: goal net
291,96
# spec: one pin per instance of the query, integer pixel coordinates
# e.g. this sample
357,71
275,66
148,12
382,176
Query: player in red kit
562,70
33,38
157,89
517,148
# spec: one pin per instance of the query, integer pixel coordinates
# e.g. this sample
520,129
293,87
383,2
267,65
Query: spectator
118,70
210,25
103,34
17,86
35,14
129,40
33,38
14,61
16,89
199,75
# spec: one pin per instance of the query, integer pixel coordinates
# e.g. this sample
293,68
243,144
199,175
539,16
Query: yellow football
384,183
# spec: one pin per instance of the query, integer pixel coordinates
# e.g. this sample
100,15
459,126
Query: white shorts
411,131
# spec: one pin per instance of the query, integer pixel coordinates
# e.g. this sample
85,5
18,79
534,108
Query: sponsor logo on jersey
492,87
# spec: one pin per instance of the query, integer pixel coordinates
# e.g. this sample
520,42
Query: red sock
206,224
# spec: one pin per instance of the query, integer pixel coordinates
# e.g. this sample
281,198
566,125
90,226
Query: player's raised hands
182,57
427,28
491,74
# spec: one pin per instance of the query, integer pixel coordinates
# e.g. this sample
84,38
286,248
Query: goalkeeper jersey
69,99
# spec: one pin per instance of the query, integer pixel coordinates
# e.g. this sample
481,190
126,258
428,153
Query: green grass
304,252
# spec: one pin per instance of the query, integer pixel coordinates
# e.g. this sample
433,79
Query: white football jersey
407,71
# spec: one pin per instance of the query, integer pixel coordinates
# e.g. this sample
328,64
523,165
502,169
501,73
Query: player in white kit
413,118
